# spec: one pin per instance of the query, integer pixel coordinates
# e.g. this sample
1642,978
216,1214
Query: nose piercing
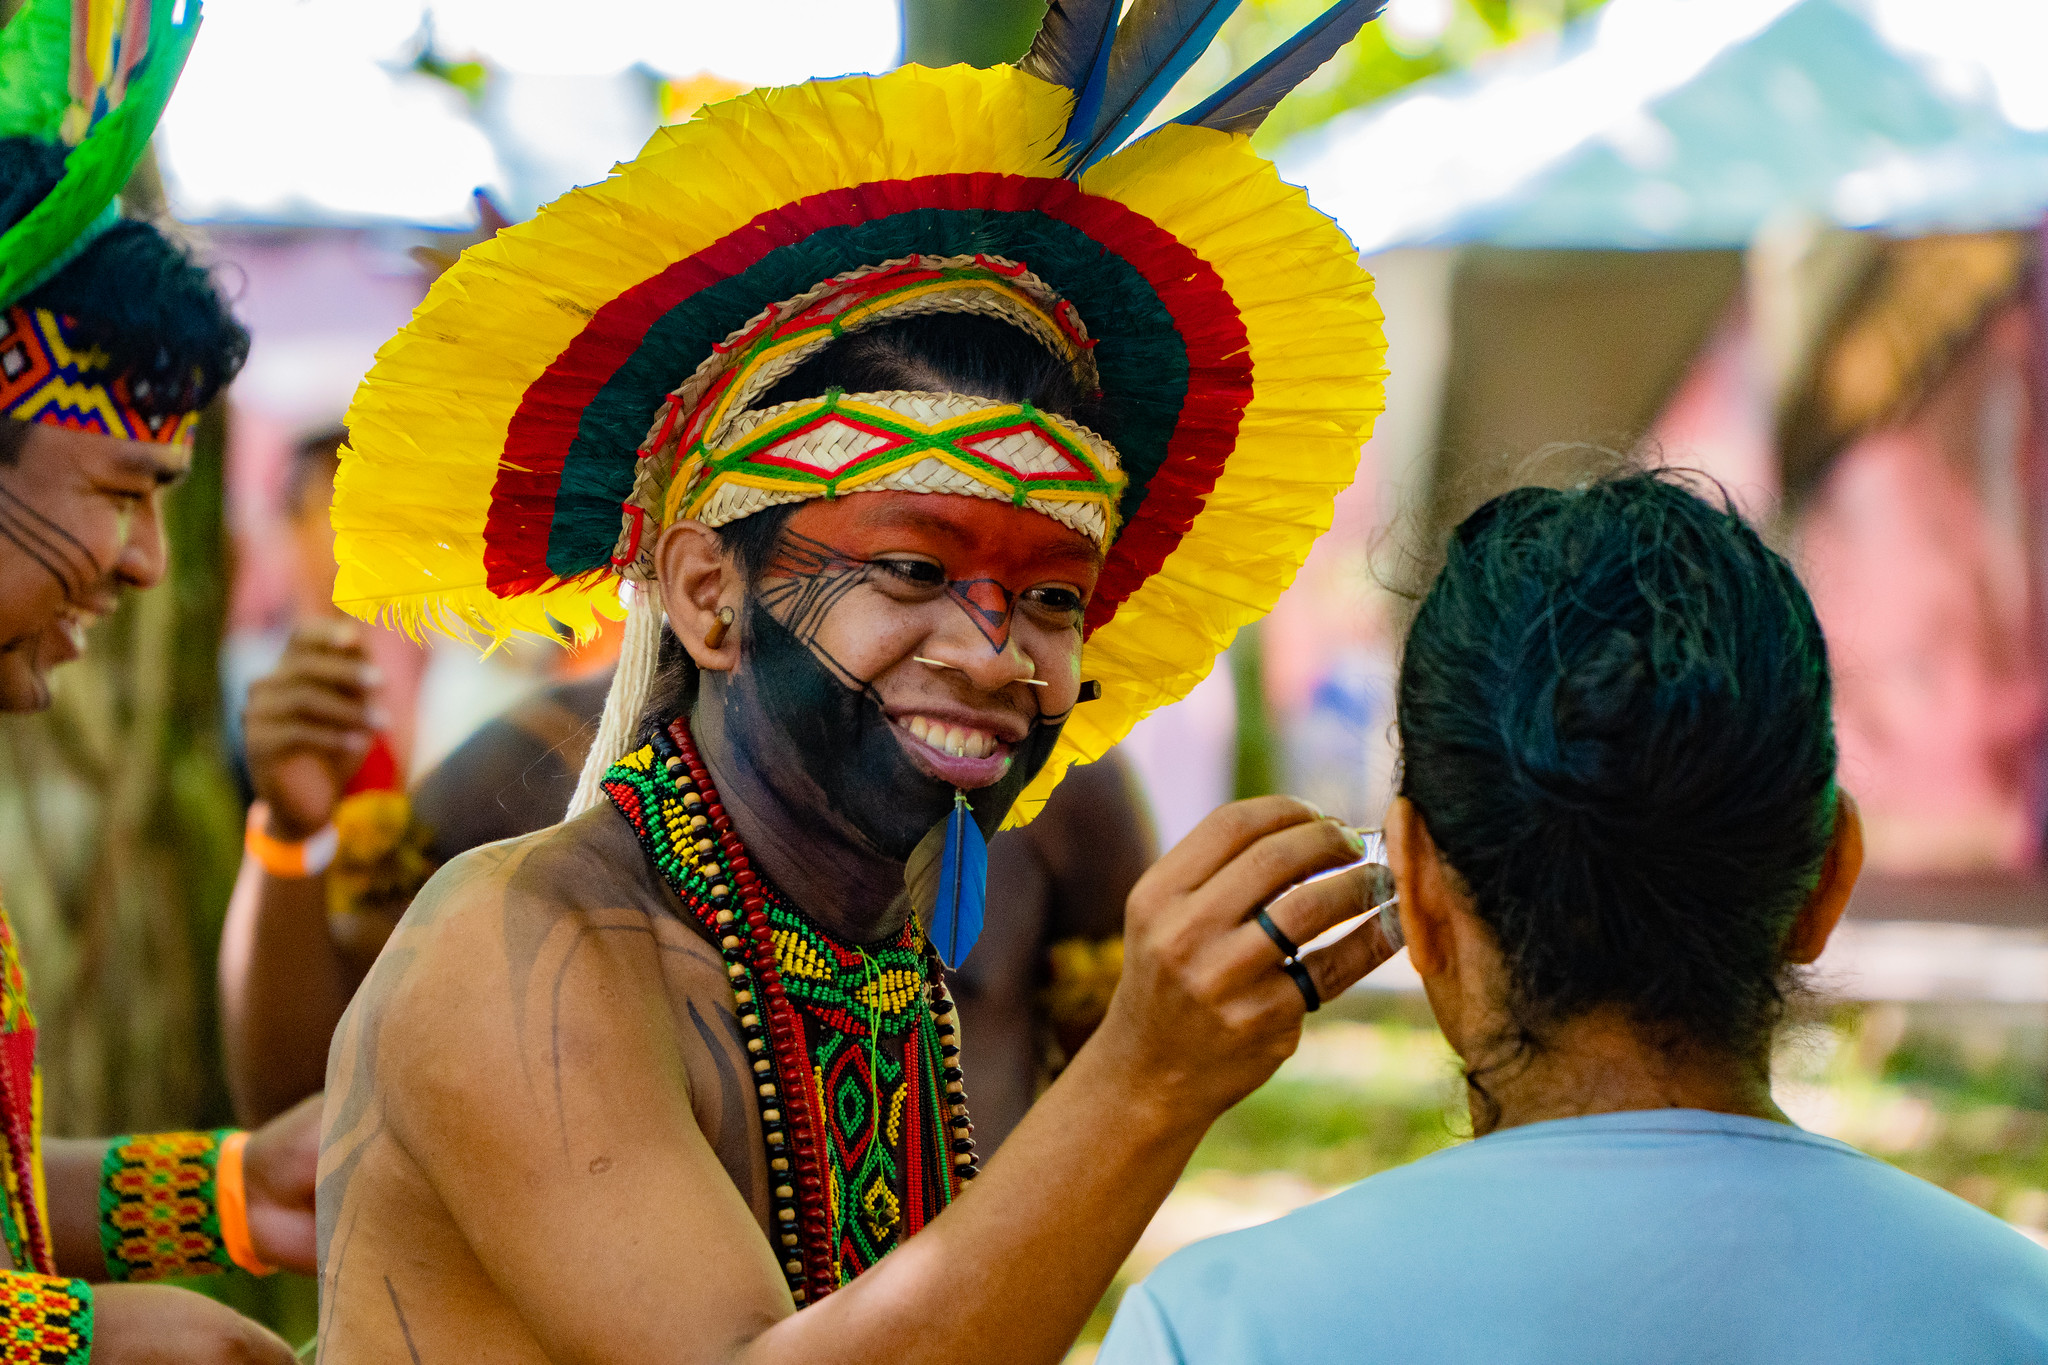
941,663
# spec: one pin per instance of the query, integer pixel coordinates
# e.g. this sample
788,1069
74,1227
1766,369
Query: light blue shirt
1657,1236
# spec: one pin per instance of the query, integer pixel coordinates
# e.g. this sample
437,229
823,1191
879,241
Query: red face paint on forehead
970,538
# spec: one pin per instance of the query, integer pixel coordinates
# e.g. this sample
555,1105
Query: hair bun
1615,718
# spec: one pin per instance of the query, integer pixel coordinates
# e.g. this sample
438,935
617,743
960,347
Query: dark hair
938,352
134,293
947,353
1615,721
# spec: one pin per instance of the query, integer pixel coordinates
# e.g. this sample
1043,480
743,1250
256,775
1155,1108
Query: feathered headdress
578,381
93,75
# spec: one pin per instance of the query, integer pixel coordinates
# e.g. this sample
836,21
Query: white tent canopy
1691,123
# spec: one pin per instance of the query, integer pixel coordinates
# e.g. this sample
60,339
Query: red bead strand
816,1233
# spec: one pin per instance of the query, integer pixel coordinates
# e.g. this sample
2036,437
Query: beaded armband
44,1320
160,1206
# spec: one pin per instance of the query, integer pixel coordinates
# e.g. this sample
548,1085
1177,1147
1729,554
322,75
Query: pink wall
1922,550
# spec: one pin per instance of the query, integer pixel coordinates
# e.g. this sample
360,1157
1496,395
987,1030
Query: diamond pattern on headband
829,447
1027,454
903,442
47,376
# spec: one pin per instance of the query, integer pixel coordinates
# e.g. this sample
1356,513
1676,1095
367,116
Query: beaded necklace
854,1050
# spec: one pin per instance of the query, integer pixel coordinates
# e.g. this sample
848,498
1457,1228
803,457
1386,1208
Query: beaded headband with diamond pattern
906,442
49,375
710,457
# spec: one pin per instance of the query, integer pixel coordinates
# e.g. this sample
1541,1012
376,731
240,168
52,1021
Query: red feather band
47,375
537,451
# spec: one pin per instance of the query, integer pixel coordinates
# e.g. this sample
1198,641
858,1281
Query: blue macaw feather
1242,105
1155,45
1072,49
963,885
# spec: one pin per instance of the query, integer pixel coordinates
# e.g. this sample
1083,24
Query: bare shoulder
543,1029
511,959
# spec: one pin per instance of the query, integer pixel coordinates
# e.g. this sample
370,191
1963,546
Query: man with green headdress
111,340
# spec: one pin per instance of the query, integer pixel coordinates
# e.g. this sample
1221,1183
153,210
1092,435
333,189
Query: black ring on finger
1280,940
1303,982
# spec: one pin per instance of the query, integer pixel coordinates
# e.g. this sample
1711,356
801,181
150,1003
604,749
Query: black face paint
807,578
59,553
789,710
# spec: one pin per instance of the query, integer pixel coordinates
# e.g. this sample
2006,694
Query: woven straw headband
906,442
711,457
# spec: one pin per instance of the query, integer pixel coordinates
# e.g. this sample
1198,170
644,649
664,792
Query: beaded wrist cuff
160,1206
44,1320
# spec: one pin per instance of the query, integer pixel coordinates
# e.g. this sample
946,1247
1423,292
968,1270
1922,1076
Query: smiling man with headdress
111,341
938,440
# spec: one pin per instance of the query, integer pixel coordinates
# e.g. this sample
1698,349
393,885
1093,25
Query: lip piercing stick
941,663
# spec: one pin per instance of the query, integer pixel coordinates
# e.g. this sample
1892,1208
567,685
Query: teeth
958,740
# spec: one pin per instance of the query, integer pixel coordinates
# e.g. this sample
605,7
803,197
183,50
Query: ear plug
715,636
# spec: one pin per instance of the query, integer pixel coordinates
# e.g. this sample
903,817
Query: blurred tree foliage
1414,39
978,32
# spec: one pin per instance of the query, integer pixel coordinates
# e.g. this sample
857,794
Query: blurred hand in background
310,724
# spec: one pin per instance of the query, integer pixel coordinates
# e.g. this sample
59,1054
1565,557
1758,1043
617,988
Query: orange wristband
231,1198
306,858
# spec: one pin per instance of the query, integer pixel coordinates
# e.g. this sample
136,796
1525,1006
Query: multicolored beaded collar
854,1048
49,375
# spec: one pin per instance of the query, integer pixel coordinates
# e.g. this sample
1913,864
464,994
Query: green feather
35,67
75,211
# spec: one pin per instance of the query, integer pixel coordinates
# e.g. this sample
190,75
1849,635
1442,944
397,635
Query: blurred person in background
300,592
111,340
299,938
1618,836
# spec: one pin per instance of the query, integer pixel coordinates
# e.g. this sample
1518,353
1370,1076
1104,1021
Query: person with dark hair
928,470
1618,837
111,341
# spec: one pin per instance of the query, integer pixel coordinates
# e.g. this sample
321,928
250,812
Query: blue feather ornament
1242,105
1072,49
963,885
1155,45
